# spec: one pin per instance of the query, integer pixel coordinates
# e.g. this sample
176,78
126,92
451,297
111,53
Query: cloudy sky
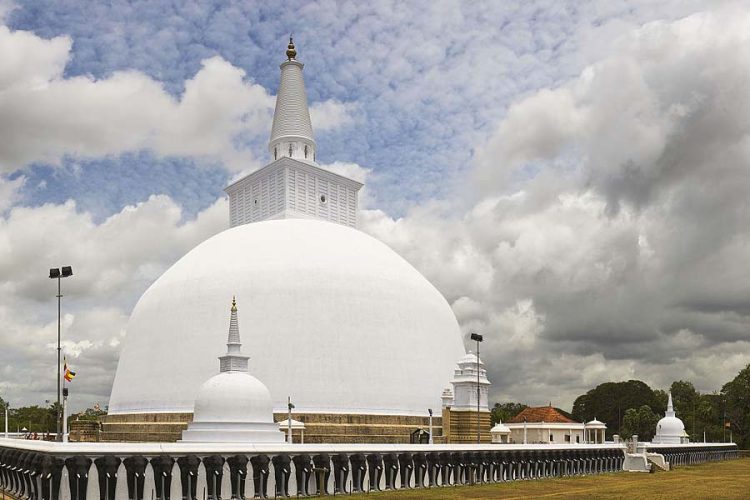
574,177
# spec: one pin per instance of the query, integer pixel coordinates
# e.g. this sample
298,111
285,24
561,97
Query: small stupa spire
234,360
670,407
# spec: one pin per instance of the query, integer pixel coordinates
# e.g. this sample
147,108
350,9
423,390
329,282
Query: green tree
661,401
737,399
502,412
641,422
685,399
609,401
93,414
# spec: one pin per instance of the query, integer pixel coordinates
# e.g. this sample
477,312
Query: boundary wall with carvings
114,471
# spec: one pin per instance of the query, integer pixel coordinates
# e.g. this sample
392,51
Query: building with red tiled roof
542,414
547,424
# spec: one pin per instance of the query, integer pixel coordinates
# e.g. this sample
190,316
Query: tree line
633,408
40,419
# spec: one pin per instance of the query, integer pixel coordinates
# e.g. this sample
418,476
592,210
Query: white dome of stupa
670,429
337,320
233,406
233,397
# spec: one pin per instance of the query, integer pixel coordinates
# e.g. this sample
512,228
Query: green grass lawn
730,479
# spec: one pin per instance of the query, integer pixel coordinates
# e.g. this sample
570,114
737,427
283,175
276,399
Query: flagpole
65,412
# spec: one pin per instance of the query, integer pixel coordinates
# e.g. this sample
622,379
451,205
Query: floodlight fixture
67,271
54,272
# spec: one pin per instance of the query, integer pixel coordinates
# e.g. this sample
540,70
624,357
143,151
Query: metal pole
478,424
289,420
59,349
65,420
6,419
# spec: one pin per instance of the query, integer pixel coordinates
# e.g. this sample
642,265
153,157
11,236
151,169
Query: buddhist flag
69,374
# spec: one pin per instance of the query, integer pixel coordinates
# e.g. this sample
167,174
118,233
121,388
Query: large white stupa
340,322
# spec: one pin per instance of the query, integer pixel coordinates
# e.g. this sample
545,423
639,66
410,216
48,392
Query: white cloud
113,262
612,238
610,242
331,114
45,116
6,6
9,191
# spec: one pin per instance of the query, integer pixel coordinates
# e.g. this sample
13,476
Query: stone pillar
162,466
406,466
35,474
237,475
214,466
457,461
420,468
359,469
433,468
106,468
27,474
78,476
375,466
281,473
188,475
135,469
302,472
390,465
322,466
259,464
445,468
16,470
50,477
340,472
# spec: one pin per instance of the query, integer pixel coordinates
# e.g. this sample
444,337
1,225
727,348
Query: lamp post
430,411
478,338
7,405
59,273
289,407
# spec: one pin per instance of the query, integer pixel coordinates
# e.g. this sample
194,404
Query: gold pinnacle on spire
234,304
291,53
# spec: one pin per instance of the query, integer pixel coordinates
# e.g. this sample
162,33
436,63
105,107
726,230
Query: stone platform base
461,426
319,427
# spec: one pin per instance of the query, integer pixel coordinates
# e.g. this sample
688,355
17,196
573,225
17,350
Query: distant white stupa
670,429
233,406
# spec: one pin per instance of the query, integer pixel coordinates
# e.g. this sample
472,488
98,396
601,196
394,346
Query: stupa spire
670,408
291,52
233,360
292,132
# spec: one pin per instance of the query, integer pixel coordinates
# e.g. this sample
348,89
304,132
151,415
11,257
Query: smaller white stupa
670,429
233,406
